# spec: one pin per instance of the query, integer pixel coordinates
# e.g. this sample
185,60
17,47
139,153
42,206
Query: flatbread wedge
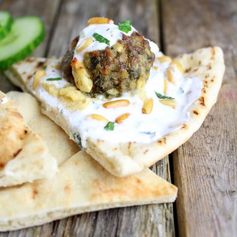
124,159
23,155
81,185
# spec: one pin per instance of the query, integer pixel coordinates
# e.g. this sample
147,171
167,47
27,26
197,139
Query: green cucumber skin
6,29
23,53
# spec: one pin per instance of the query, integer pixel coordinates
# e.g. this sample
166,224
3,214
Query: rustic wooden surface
205,168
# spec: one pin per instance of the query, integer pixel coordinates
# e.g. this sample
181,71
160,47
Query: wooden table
205,168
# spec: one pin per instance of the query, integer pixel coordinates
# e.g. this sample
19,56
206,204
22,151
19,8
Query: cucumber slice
5,24
25,35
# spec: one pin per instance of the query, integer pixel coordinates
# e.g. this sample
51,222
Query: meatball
123,67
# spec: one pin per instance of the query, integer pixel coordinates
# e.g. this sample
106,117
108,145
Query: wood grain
70,17
205,168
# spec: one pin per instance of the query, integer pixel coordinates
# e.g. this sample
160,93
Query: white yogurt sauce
138,127
110,32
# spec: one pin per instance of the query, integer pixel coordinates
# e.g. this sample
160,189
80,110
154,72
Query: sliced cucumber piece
25,35
5,24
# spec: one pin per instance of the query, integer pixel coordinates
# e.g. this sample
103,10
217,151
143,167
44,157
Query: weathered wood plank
205,168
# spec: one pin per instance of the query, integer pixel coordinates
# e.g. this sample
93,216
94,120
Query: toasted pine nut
116,104
38,75
98,117
121,118
147,106
178,65
99,20
164,59
85,44
171,103
165,86
170,75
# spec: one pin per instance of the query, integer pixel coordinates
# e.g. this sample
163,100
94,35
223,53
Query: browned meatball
123,67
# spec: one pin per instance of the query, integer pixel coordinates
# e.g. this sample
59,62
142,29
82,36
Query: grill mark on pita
188,70
195,112
162,140
137,180
67,188
213,53
29,60
184,126
202,101
209,67
145,151
17,152
34,192
29,77
39,64
2,165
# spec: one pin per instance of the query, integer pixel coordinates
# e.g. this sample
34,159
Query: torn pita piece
204,66
23,155
81,185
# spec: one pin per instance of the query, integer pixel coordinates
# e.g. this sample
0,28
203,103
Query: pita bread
60,146
127,158
81,185
23,155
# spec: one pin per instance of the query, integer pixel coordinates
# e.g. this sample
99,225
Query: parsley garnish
54,79
101,38
109,126
160,96
125,26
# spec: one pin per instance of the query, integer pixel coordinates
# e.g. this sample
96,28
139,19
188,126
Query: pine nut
165,86
170,75
178,65
99,20
98,117
38,75
171,103
147,106
85,44
116,104
164,59
121,118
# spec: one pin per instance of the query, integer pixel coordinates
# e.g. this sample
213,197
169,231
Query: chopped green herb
54,79
125,26
109,126
101,38
160,96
